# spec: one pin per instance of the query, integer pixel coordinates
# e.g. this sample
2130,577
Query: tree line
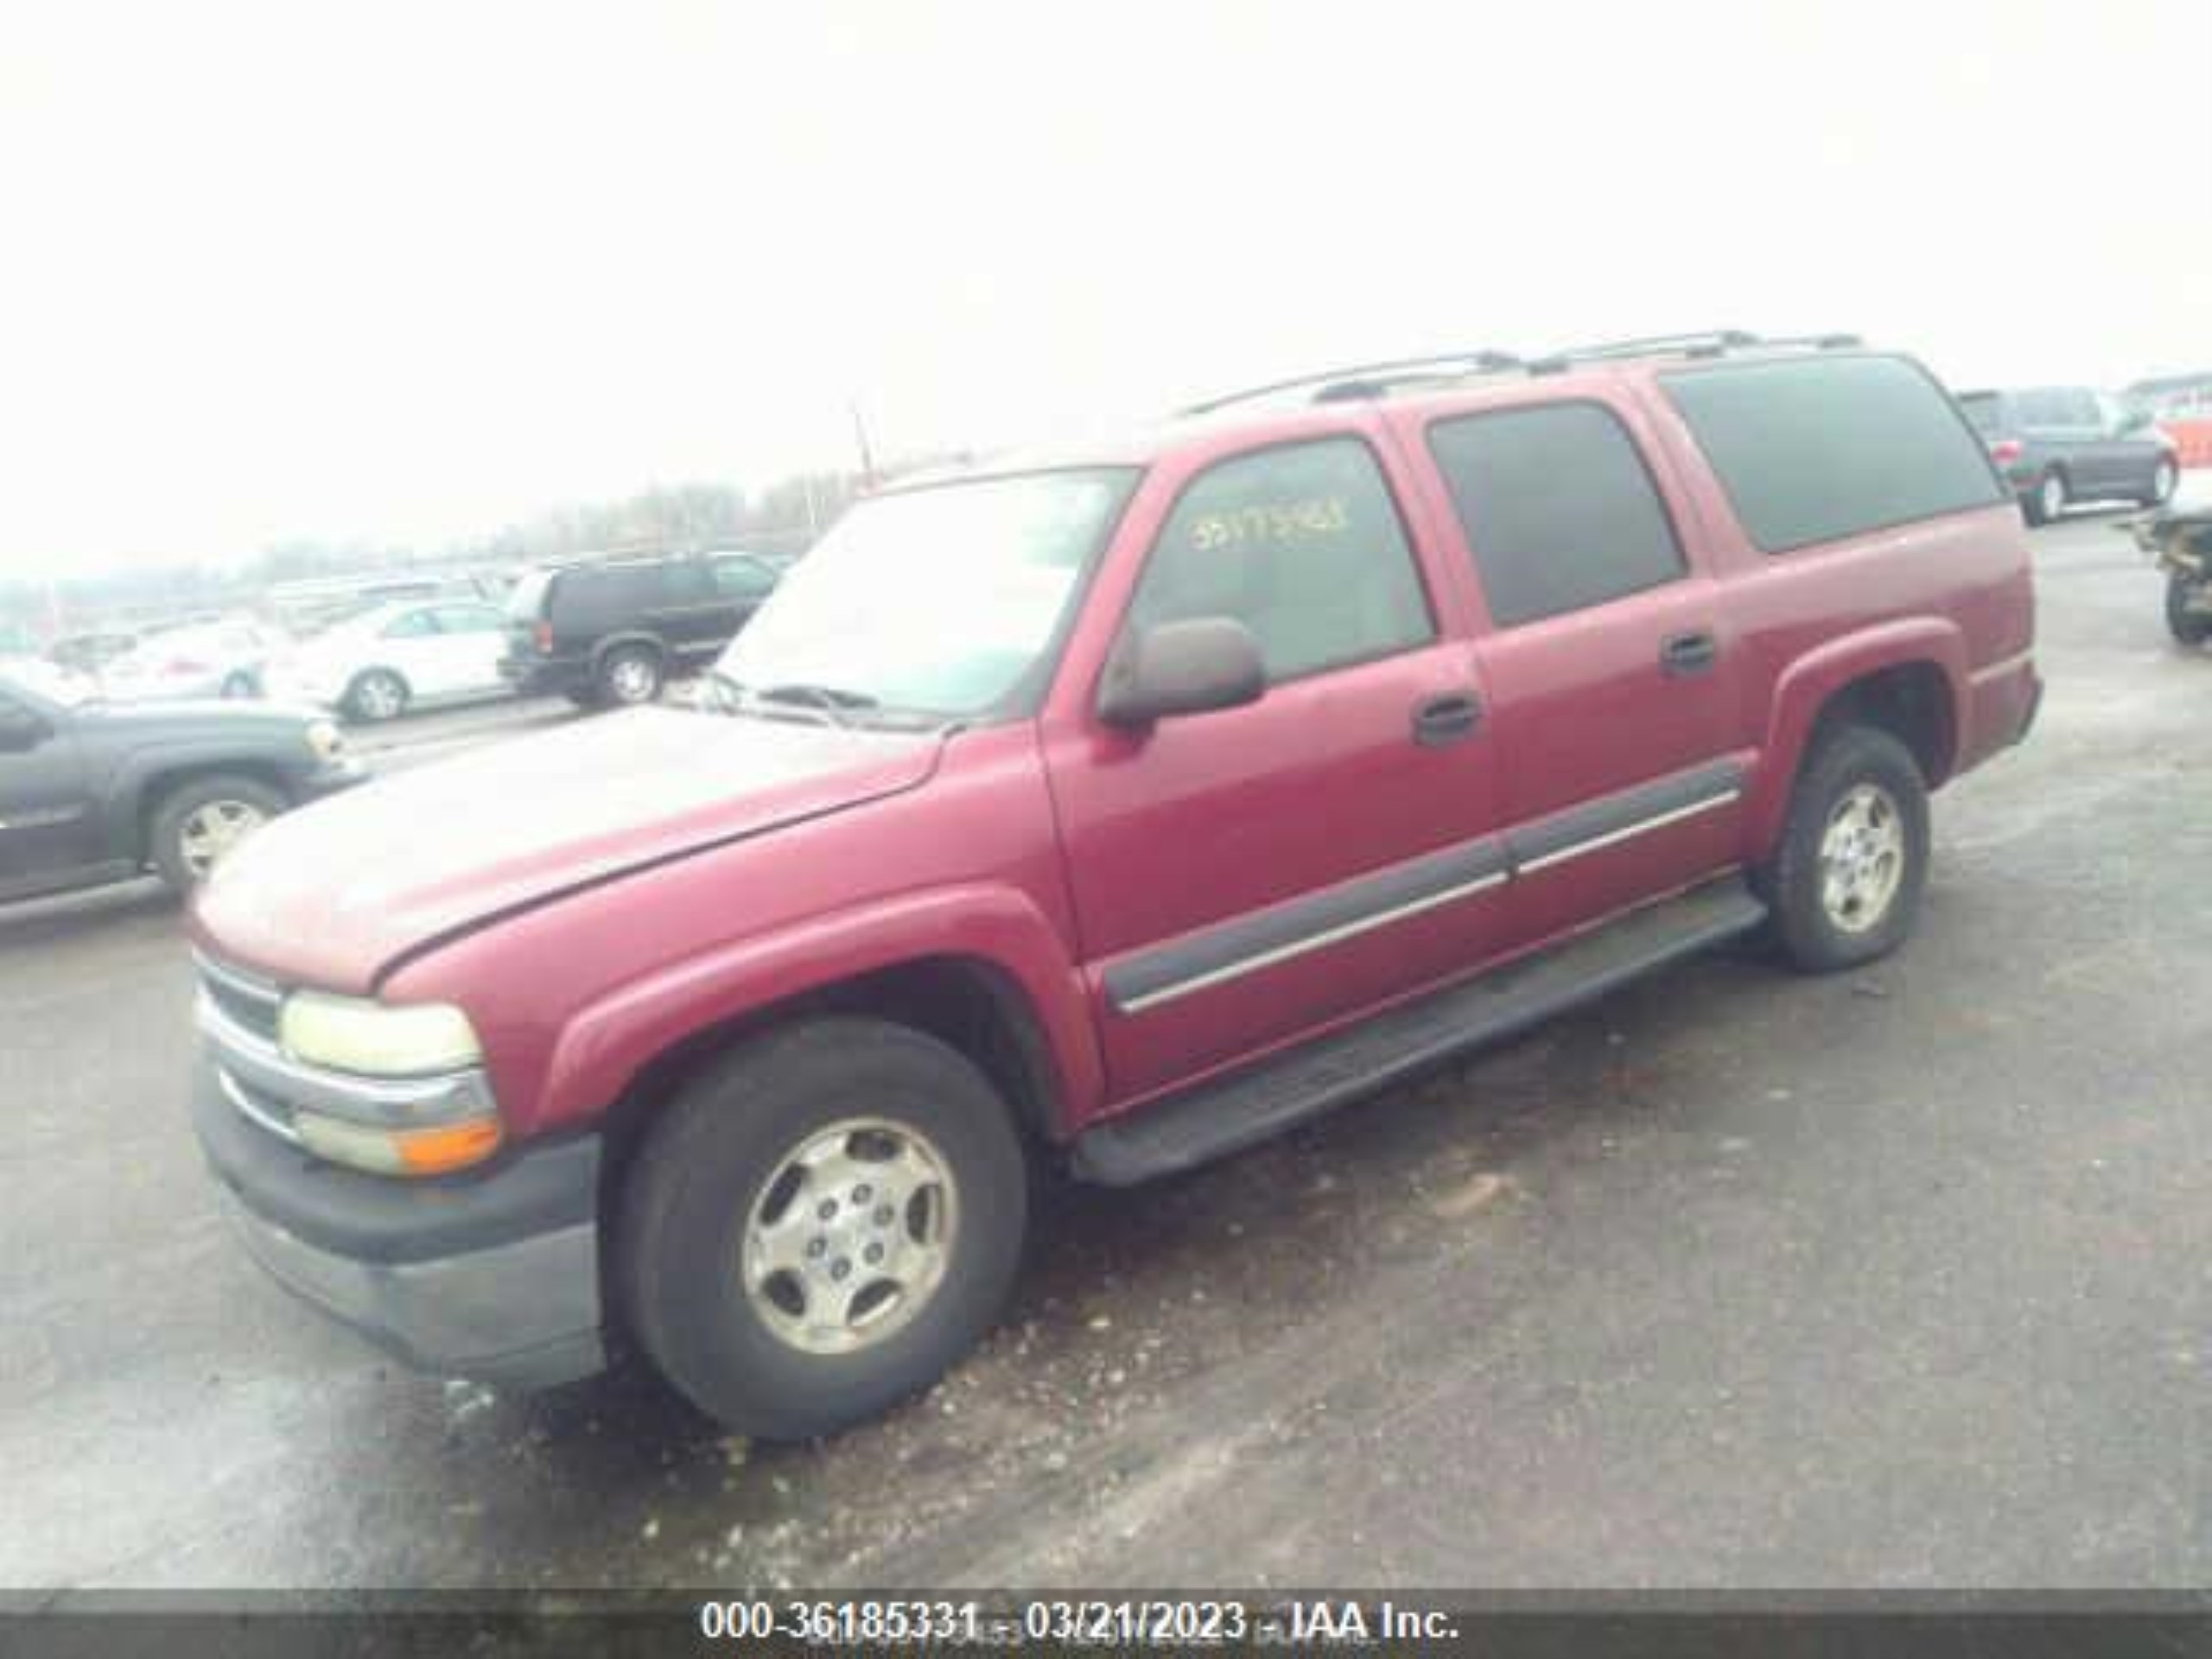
785,516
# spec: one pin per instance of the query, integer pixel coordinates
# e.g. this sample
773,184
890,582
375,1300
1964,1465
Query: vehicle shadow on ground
1128,1298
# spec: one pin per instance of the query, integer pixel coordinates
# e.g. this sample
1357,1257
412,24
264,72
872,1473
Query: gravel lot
1898,1279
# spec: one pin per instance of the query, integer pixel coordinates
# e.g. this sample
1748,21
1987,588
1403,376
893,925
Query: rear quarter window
593,600
1812,449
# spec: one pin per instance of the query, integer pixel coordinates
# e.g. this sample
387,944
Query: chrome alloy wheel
381,697
2051,495
632,679
850,1236
1862,858
213,831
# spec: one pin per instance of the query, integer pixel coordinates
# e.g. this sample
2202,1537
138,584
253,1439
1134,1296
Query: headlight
377,1039
325,739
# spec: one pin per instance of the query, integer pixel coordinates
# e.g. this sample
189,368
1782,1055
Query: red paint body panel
715,867
572,998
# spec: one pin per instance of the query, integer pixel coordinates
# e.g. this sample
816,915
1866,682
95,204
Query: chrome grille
249,1001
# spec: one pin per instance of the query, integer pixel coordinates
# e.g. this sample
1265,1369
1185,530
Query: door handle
1688,653
1446,719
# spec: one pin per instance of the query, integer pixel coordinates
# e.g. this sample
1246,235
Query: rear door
2129,451
1609,660
47,823
471,637
1243,876
408,644
690,613
2063,422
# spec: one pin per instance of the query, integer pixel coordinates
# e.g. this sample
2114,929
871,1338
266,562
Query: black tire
165,831
2189,628
2166,478
2037,505
1812,938
377,694
628,676
687,1200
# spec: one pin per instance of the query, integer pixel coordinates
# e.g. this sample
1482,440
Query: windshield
937,600
49,680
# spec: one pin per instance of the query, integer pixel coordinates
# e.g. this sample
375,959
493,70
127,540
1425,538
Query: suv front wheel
820,1224
199,824
1845,883
376,693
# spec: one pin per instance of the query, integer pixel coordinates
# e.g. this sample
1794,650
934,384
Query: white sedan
384,661
226,658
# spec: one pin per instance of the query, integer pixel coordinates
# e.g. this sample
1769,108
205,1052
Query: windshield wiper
826,703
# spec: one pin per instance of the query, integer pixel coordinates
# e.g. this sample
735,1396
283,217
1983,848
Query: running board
1263,1100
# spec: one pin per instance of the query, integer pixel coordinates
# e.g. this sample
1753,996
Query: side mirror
2133,421
1181,668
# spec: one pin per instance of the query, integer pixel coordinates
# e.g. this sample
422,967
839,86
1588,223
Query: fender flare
603,1047
614,642
128,789
1806,687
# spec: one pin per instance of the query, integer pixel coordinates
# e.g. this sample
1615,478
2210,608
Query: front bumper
492,1275
331,776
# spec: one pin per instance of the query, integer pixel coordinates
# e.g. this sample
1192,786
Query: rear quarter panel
1955,592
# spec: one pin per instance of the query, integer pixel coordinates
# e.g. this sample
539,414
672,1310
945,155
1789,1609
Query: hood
331,894
197,717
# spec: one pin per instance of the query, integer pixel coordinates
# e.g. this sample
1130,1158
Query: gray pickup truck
92,792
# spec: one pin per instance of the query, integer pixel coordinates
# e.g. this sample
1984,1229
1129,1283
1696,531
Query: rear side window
410,624
2057,408
1811,449
595,600
467,619
686,582
1301,544
742,579
1558,508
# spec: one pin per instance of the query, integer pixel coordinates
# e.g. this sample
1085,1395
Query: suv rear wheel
199,824
376,693
628,675
1846,882
2162,479
2048,499
822,1223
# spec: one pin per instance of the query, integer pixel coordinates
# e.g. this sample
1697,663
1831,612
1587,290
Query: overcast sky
406,274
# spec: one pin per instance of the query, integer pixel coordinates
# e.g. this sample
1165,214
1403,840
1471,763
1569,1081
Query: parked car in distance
89,653
613,632
2058,445
393,657
222,659
1120,806
93,792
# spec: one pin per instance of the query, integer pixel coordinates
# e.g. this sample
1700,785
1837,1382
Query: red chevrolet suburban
1122,806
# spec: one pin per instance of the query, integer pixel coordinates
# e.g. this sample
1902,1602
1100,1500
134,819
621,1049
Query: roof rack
1717,342
1370,379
